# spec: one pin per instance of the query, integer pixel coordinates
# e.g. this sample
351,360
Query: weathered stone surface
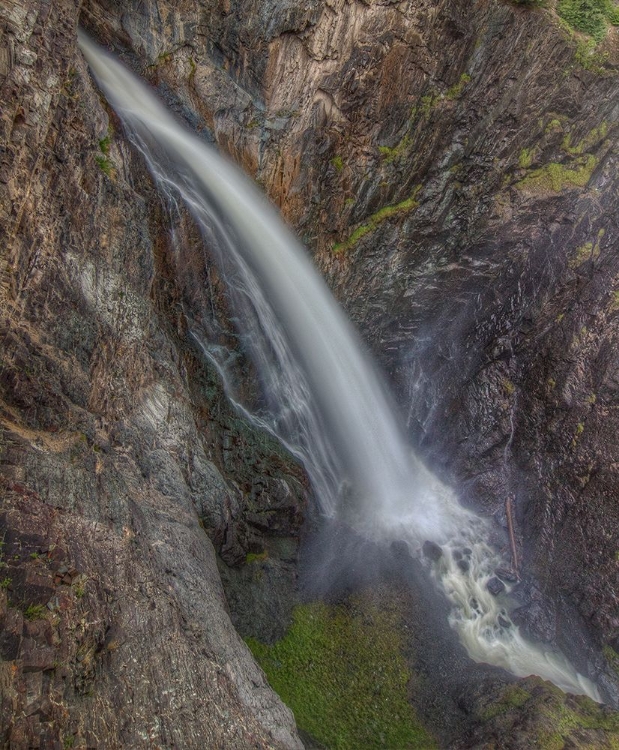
495,586
487,289
103,464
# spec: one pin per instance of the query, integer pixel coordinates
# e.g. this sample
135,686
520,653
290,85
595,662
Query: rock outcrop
453,167
115,631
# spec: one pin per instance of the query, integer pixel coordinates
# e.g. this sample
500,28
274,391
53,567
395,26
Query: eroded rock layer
453,166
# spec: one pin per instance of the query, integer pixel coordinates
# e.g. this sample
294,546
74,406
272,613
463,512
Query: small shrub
589,16
5,583
105,165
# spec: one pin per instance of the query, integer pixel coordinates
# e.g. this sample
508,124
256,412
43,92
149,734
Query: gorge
433,218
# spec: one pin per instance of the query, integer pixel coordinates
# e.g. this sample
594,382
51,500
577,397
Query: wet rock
464,565
495,586
432,551
506,575
400,549
503,622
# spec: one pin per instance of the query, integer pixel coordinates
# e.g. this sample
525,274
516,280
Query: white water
327,401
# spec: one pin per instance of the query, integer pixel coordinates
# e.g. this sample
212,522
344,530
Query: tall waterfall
328,403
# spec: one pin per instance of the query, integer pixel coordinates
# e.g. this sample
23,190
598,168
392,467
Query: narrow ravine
323,395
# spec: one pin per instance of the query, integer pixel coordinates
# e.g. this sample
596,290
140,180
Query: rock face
454,168
114,624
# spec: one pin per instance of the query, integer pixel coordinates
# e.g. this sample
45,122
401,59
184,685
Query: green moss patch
457,89
555,177
543,716
341,670
376,219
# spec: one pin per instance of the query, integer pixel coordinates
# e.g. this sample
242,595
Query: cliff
453,168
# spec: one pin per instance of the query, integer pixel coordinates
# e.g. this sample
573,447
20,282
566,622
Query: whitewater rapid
327,401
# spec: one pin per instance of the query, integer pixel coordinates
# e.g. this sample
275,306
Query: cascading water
327,402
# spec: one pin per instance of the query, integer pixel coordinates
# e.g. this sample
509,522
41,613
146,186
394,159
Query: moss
554,177
393,154
338,163
553,126
586,143
192,69
104,144
588,251
614,301
341,670
105,165
252,557
455,90
609,652
525,158
376,219
512,697
542,716
508,386
583,253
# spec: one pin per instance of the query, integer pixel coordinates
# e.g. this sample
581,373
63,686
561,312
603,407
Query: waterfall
326,400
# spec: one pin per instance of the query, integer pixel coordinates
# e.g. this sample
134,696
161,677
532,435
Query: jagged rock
495,586
506,575
391,107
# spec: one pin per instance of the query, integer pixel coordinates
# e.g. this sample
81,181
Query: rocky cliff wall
453,167
114,457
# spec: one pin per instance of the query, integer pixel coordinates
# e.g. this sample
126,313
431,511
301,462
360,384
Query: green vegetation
588,56
583,253
525,158
553,125
544,717
5,583
341,670
338,163
376,219
252,557
393,154
104,144
513,696
34,612
589,16
554,177
455,91
614,301
508,387
588,251
597,134
102,159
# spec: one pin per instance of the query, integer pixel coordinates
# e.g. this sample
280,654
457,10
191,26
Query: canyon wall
453,168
